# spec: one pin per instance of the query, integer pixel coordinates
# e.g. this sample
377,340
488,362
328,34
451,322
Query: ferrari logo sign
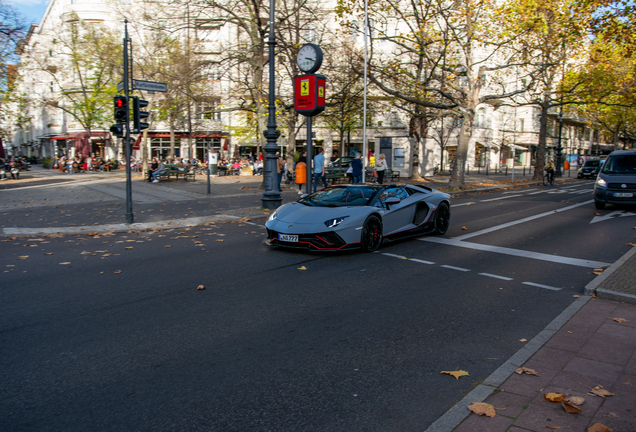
304,88
321,92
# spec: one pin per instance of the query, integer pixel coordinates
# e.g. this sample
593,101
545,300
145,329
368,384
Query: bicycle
548,177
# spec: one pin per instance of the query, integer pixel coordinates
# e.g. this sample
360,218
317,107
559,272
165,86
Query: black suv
590,168
616,182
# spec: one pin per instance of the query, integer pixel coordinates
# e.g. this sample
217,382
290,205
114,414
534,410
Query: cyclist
549,168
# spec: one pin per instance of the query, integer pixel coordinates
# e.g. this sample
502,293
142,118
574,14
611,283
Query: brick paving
591,349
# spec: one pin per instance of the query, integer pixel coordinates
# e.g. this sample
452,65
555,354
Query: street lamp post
271,197
559,150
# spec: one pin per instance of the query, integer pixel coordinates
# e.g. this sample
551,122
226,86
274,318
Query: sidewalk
592,343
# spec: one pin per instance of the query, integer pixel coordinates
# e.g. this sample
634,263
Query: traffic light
117,130
138,115
121,108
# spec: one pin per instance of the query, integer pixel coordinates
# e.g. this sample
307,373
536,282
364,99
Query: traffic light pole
130,217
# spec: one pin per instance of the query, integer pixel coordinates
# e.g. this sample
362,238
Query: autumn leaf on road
65,263
48,253
576,400
554,397
527,371
23,257
168,246
220,240
117,271
523,340
568,407
128,247
599,427
631,244
620,320
457,373
464,228
302,268
600,391
482,409
200,287
552,427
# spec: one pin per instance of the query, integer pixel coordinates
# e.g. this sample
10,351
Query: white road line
496,276
455,268
463,204
518,252
393,255
500,198
251,223
421,261
509,224
534,193
541,286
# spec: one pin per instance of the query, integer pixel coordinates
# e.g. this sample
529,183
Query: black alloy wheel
442,219
371,234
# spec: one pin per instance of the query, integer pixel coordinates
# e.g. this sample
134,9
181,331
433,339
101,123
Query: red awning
182,135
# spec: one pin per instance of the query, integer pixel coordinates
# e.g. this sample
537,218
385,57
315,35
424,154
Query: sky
31,10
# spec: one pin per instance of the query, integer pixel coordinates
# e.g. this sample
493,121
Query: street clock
309,58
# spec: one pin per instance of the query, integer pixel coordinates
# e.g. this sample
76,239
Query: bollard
486,169
524,171
479,169
506,170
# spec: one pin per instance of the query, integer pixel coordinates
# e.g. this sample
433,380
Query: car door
396,217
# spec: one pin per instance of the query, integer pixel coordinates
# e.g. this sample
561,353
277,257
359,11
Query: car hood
618,178
296,212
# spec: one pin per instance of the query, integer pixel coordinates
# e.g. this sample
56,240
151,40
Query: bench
335,177
392,174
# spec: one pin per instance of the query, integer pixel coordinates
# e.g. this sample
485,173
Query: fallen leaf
620,320
200,287
220,240
302,268
597,214
23,257
100,251
554,397
168,246
552,427
600,391
576,400
65,263
527,371
117,271
48,253
576,296
457,373
631,244
482,408
403,258
128,247
568,407
596,273
599,270
464,228
599,427
523,340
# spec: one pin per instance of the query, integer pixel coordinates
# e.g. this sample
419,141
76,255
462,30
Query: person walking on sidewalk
380,167
319,169
356,169
280,164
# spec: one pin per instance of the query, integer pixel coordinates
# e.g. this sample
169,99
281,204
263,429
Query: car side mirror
391,201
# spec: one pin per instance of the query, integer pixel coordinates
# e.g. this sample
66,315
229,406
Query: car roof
623,152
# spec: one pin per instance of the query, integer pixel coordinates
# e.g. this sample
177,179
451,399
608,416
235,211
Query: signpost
150,86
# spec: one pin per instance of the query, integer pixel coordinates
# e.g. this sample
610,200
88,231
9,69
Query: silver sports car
358,216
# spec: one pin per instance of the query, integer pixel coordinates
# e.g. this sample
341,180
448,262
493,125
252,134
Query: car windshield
592,163
340,196
620,164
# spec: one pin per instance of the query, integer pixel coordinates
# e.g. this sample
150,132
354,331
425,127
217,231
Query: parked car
358,216
590,168
616,182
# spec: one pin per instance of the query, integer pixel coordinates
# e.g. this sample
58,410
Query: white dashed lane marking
541,286
455,268
422,261
496,276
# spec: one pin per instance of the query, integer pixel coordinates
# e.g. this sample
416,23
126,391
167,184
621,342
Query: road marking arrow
612,215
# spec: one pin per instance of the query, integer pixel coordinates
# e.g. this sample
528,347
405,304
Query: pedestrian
319,169
153,168
280,164
380,167
356,169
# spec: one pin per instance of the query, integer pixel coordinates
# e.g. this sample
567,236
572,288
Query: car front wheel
600,205
371,234
442,219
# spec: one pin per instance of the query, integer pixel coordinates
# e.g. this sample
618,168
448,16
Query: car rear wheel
600,205
442,219
371,234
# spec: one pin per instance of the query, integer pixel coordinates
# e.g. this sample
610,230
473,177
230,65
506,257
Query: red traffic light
121,109
120,102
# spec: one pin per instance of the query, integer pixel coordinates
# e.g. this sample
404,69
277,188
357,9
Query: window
310,34
481,118
354,31
521,125
205,110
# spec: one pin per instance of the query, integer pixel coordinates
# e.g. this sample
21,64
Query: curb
454,416
593,287
113,228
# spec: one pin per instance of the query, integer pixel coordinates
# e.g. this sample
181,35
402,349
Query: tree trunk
457,179
543,134
172,140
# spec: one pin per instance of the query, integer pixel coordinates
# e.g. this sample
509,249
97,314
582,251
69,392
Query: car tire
442,219
579,176
600,205
371,237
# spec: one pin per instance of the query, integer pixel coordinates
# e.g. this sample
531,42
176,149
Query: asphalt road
111,333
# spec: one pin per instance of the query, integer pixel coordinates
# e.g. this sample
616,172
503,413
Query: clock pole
271,197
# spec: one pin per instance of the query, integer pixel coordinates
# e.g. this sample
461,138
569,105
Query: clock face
309,58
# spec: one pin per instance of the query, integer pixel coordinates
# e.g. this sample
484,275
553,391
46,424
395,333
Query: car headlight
335,222
601,182
272,217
